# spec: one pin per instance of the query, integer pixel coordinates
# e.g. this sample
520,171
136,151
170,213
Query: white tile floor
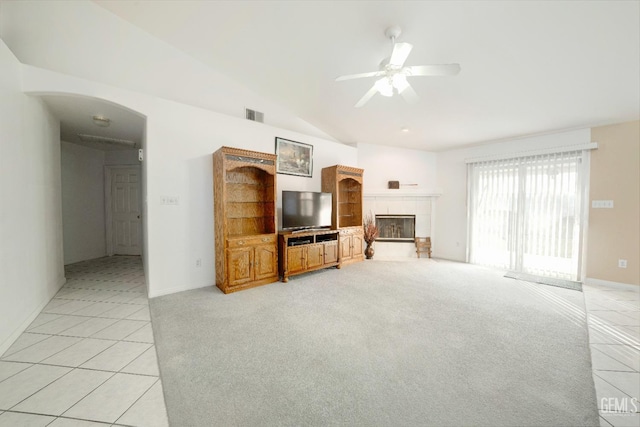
614,336
89,358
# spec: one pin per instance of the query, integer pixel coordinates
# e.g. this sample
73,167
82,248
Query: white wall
121,157
83,211
82,39
383,164
31,264
450,229
83,208
180,140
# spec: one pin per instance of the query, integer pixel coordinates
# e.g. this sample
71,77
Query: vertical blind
525,214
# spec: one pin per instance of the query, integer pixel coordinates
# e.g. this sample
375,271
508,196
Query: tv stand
301,251
306,230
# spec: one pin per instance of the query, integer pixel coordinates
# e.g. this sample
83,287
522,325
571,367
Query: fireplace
396,228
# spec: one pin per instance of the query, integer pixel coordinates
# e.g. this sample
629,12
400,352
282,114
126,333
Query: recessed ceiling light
101,121
405,130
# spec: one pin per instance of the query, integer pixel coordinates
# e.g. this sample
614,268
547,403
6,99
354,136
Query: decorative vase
368,252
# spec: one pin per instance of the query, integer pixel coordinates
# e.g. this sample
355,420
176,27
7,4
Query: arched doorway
102,179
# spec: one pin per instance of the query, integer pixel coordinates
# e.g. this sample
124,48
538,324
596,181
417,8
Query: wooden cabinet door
330,252
239,263
345,247
315,255
296,258
358,241
265,261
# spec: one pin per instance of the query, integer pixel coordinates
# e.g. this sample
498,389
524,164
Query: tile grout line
41,388
136,401
12,375
606,329
38,362
136,358
7,354
85,396
92,369
135,291
595,372
619,361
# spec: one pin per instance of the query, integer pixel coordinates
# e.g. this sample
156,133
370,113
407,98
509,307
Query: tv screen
305,209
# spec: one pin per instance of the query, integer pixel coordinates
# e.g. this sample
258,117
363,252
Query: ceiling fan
394,74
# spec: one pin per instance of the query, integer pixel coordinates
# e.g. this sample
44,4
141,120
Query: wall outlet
622,263
198,262
602,204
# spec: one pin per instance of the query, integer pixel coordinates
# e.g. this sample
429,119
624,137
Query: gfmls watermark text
619,406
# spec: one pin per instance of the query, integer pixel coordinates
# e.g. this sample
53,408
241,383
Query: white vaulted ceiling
528,67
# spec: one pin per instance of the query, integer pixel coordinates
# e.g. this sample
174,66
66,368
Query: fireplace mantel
401,192
402,201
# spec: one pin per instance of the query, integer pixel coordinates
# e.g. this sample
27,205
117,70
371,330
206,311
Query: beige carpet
377,343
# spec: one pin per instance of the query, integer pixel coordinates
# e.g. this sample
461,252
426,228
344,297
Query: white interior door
125,211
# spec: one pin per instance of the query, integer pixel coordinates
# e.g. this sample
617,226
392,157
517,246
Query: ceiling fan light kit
394,74
383,86
399,81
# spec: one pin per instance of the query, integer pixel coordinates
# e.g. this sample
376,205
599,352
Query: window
525,214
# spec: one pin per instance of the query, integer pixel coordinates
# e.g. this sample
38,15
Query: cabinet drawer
350,231
240,242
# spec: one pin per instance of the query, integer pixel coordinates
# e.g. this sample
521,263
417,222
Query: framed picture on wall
294,158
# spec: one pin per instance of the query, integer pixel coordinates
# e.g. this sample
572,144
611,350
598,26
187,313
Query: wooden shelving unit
244,185
301,252
345,183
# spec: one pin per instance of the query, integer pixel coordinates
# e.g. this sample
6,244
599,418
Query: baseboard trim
615,285
176,290
25,324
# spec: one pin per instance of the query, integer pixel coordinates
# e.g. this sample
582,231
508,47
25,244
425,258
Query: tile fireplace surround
401,202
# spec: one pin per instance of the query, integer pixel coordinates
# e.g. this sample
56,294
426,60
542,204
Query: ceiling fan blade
400,53
433,70
359,76
367,96
409,95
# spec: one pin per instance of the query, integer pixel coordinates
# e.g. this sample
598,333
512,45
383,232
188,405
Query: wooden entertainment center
345,184
244,208
248,249
301,252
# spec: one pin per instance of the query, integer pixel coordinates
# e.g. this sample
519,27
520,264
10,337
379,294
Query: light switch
169,200
602,204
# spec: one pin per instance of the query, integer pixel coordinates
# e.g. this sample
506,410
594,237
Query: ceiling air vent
106,140
253,115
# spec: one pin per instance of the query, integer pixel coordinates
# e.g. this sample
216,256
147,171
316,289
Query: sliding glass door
525,214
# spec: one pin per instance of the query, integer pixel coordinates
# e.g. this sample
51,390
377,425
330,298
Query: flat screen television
305,209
